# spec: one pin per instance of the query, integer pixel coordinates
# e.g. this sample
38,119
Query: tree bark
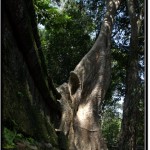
128,136
83,94
29,45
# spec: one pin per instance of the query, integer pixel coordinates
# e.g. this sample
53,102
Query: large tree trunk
130,110
25,32
88,83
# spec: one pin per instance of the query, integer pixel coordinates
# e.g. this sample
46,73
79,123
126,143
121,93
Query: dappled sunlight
96,63
84,111
85,117
116,2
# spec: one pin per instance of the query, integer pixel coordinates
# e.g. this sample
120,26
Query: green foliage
9,137
111,124
65,39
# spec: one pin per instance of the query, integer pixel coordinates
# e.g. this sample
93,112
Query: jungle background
42,55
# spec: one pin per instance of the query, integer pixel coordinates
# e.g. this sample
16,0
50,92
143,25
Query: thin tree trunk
130,119
87,86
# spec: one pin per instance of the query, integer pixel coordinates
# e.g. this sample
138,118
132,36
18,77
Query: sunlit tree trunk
87,86
130,110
